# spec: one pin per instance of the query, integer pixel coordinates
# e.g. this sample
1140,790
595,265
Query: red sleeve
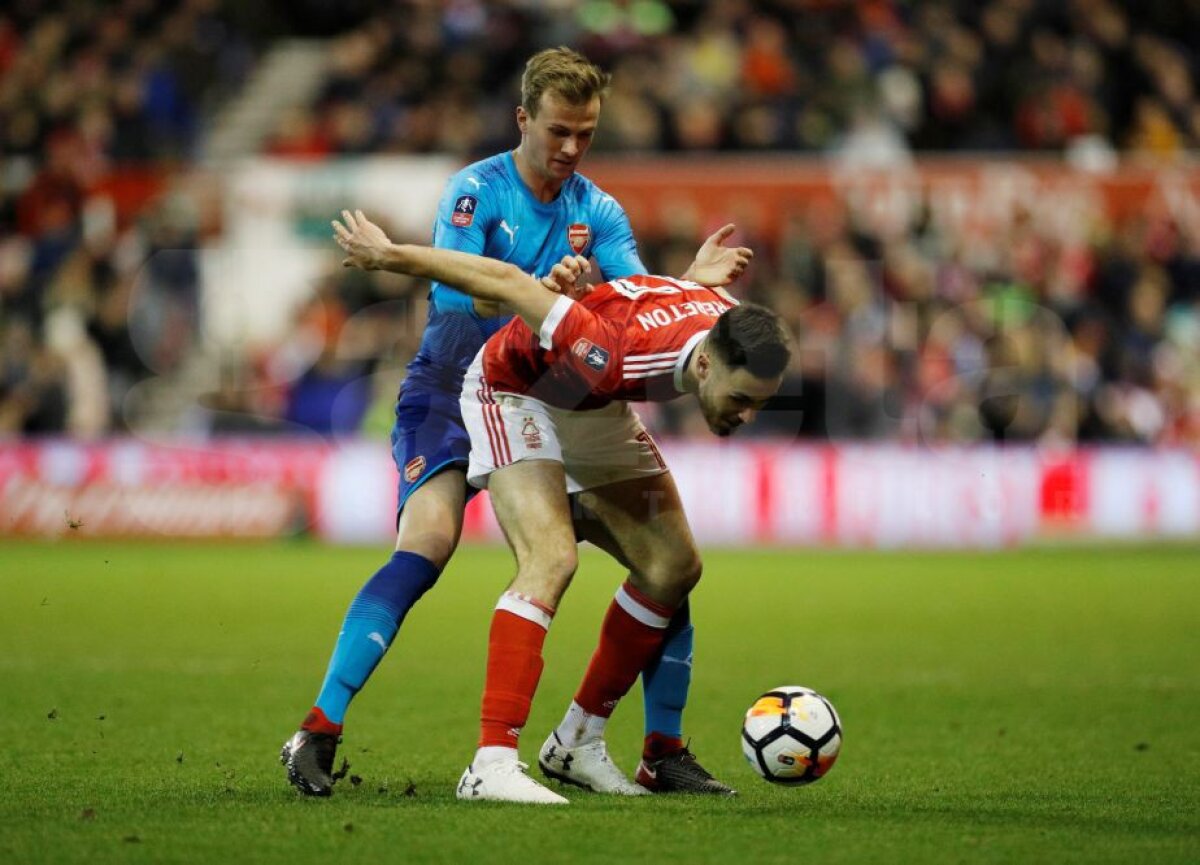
586,343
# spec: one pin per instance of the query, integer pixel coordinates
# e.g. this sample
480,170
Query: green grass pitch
1006,707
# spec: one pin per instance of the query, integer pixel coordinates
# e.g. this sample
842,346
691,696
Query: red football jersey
628,340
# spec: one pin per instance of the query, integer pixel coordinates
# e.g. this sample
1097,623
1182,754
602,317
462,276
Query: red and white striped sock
514,667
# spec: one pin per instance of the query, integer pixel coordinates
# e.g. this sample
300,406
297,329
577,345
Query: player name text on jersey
664,315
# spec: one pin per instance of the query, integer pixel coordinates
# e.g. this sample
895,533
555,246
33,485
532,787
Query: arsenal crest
413,469
578,236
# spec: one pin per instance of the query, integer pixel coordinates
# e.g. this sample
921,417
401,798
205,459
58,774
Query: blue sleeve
464,219
615,249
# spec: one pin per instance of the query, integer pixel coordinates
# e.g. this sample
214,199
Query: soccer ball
792,735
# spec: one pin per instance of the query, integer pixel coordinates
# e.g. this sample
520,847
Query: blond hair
566,73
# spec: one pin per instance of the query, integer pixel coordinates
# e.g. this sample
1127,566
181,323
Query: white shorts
597,447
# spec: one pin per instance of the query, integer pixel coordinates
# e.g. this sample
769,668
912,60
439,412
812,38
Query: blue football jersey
488,210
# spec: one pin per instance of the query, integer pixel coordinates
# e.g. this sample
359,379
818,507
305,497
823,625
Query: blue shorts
428,435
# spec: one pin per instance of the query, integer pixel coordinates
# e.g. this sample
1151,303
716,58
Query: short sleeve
464,216
615,249
585,342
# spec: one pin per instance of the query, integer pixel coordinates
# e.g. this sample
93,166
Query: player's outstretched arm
368,247
717,264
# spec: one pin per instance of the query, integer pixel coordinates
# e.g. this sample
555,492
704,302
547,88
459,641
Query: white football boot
505,781
587,766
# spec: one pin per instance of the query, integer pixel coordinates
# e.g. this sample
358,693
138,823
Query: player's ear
522,118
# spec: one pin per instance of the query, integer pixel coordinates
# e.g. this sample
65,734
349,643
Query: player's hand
365,243
717,264
565,277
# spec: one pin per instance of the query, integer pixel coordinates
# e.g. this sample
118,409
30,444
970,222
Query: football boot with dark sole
309,760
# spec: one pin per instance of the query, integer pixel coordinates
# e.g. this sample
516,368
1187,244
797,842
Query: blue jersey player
528,207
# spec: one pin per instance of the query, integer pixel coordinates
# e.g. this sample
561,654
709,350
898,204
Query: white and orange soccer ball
792,735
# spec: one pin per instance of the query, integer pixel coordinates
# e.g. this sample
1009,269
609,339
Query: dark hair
752,337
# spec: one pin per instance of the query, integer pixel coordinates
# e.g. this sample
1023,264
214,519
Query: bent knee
690,570
557,564
672,575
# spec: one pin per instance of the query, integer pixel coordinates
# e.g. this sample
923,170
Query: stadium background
982,218
982,221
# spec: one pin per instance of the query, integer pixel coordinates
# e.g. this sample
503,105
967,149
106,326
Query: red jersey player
621,343
549,395
546,403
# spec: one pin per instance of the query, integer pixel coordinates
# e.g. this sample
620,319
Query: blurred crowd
96,296
927,330
337,372
932,330
877,78
923,332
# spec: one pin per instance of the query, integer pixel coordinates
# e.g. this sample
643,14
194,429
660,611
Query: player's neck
544,189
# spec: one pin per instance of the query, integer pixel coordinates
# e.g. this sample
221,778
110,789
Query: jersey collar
684,354
532,200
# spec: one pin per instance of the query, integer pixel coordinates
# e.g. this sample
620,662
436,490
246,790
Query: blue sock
370,626
667,679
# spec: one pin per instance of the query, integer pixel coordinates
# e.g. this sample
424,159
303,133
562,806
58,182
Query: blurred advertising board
137,489
885,496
